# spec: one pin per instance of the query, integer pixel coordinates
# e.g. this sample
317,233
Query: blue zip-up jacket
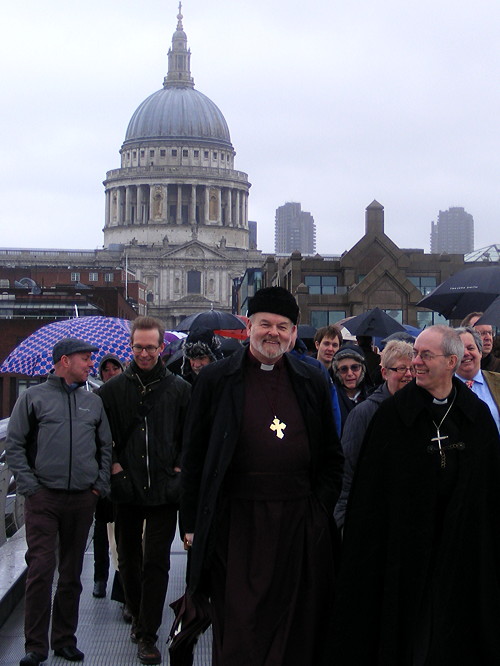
59,439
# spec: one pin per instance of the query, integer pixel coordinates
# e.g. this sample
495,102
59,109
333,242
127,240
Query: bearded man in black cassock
419,579
261,473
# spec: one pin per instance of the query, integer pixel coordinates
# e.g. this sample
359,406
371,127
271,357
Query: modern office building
295,230
453,232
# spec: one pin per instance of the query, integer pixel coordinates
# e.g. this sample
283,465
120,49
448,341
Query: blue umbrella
33,356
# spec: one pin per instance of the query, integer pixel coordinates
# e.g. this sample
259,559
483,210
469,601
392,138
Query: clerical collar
442,402
264,366
431,400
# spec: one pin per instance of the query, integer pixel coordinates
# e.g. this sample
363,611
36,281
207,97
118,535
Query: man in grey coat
59,450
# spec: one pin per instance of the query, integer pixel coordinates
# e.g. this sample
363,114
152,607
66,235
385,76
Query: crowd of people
338,510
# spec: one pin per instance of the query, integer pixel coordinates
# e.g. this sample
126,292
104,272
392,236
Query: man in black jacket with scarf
146,406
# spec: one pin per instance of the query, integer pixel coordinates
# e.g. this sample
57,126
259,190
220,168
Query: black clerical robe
419,581
262,519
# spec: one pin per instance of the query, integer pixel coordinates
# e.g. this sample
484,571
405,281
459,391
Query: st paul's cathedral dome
176,207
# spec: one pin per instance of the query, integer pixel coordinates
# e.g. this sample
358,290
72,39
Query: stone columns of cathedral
178,203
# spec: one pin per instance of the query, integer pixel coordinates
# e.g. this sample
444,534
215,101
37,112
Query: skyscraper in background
294,230
453,233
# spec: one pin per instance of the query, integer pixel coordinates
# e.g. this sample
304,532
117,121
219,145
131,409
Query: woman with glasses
351,381
397,371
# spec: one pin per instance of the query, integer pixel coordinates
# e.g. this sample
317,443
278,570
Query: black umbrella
193,616
491,315
375,323
470,290
215,320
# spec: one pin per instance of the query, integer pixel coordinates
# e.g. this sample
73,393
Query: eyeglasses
486,334
138,349
426,355
403,369
344,369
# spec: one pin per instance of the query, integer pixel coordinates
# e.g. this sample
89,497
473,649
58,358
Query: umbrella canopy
375,323
193,616
470,290
412,330
491,315
33,356
215,320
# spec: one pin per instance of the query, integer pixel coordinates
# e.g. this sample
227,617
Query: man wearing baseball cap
59,450
261,472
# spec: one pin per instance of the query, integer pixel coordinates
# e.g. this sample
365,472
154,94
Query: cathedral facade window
194,282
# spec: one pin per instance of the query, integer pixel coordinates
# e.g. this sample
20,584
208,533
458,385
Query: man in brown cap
261,472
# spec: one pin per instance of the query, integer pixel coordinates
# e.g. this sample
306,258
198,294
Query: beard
270,352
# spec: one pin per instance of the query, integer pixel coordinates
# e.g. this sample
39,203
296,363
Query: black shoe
126,614
148,653
70,653
133,633
32,659
99,589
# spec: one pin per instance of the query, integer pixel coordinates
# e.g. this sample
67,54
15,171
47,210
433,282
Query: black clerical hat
276,300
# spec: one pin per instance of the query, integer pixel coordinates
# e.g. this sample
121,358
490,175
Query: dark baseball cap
68,346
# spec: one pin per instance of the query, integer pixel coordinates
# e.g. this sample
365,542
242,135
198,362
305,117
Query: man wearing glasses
146,407
419,580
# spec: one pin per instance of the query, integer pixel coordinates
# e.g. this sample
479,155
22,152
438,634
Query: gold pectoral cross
278,427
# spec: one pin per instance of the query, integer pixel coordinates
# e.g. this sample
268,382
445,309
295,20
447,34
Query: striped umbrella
33,356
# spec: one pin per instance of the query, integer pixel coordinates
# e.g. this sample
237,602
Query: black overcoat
212,431
391,551
147,423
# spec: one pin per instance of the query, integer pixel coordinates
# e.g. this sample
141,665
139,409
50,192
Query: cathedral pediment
194,250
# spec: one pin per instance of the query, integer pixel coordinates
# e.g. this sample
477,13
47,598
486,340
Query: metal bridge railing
11,504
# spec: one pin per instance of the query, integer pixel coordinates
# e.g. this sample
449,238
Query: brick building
375,272
32,296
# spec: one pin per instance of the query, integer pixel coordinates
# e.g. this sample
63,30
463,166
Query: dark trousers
144,561
49,515
101,551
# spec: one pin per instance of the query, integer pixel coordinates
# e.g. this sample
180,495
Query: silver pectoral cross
278,427
439,438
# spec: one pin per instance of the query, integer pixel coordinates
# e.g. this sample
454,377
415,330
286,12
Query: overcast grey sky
330,103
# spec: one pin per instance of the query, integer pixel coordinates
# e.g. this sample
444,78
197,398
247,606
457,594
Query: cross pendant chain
278,428
439,439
